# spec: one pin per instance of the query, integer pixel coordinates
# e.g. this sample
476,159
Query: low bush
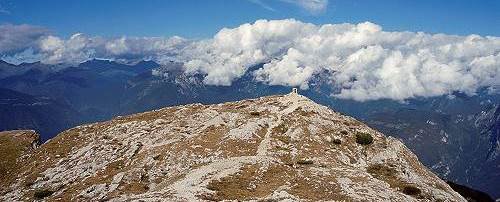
255,113
336,141
305,162
364,138
43,193
411,190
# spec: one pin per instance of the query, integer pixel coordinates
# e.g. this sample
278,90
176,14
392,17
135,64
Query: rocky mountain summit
271,148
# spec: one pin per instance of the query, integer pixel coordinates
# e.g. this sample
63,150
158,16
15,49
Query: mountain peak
3,62
96,61
30,63
282,147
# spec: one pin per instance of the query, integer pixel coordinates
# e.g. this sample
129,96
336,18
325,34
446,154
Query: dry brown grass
301,112
389,175
9,152
240,186
314,187
134,188
13,145
280,129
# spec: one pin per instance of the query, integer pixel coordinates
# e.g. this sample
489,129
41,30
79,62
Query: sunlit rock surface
271,148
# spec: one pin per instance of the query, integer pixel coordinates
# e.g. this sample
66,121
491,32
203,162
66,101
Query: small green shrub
336,141
343,132
411,190
305,162
43,193
255,113
364,138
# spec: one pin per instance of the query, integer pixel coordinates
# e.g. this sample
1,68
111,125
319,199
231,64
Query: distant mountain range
457,136
19,110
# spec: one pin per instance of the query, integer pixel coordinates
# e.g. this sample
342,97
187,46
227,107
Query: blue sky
201,19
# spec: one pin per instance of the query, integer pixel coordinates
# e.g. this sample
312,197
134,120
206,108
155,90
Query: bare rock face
271,148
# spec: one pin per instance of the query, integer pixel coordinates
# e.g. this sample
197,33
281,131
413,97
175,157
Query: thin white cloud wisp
313,7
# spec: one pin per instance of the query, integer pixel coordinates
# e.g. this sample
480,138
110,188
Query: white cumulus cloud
362,61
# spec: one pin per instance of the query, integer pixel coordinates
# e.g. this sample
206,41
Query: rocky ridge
271,148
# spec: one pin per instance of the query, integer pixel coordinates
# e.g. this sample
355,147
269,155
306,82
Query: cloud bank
79,48
361,61
16,38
